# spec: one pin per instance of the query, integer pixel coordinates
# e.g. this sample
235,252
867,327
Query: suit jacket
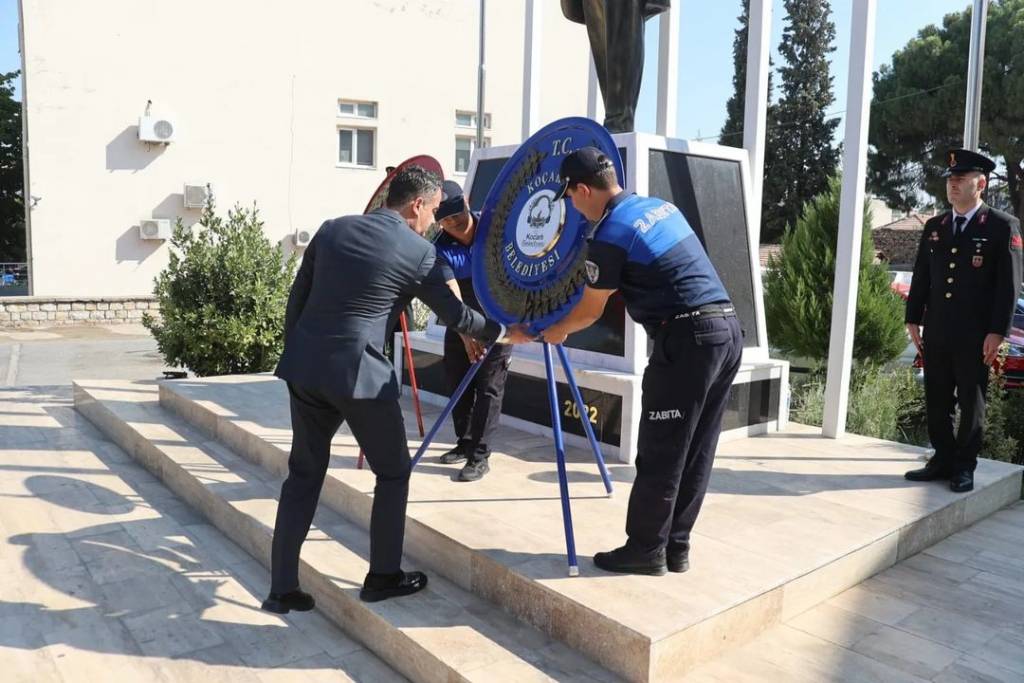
965,287
357,274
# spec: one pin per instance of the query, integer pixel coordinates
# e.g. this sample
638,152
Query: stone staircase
791,521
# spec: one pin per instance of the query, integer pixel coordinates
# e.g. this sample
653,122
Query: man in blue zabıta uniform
476,414
644,247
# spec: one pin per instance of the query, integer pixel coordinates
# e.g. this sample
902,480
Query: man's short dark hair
409,183
605,179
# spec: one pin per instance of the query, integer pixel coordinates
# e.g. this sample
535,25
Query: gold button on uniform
952,265
949,280
953,250
948,295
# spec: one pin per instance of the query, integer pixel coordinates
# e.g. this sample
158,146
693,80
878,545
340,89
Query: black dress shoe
283,603
677,561
962,482
377,587
626,561
930,472
457,454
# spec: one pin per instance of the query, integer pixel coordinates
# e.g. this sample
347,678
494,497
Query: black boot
377,587
627,561
283,603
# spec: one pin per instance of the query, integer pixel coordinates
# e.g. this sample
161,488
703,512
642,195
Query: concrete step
790,520
441,634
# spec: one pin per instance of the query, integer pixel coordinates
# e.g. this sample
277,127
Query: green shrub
799,283
885,404
222,296
1004,422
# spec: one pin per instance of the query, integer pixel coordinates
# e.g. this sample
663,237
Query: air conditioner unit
156,129
196,195
155,229
303,237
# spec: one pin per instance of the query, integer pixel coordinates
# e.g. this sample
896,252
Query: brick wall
897,247
32,311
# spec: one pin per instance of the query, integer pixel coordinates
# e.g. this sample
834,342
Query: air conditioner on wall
302,237
156,129
155,229
196,195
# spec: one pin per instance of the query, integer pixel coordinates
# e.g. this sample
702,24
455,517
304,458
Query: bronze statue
616,31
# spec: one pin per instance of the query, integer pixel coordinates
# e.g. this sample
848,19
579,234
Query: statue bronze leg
616,32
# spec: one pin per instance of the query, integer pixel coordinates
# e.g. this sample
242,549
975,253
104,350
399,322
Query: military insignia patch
593,272
977,260
952,159
1016,242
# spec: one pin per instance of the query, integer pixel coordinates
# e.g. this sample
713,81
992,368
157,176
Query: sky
705,52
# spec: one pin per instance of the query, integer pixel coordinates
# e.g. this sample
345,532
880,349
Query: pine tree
798,289
801,167
732,129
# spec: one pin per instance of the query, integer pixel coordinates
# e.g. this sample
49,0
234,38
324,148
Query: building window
356,109
464,146
467,119
357,147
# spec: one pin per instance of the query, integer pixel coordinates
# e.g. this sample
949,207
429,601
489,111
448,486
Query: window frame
355,147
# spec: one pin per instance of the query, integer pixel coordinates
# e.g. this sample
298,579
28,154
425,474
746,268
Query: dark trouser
476,414
380,430
685,392
616,32
959,369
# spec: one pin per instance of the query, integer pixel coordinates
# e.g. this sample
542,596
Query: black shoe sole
961,489
378,594
279,607
387,593
644,571
930,477
443,461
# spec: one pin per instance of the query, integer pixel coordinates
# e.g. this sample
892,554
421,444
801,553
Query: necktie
959,221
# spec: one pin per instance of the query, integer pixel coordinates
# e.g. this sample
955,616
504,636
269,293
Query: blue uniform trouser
685,392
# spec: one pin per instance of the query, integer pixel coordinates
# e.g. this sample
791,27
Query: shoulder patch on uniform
593,272
1016,242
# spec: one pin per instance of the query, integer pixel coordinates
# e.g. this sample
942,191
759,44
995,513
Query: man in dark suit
357,274
966,281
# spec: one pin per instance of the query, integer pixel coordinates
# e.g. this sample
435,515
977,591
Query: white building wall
253,90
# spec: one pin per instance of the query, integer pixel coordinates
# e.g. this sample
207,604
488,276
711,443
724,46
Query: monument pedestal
758,404
711,186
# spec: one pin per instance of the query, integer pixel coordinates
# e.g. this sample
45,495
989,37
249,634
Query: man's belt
708,311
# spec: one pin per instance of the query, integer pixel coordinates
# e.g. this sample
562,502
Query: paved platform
106,575
950,614
792,520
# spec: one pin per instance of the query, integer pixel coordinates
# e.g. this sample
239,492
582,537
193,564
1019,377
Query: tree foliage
222,296
12,205
799,284
802,156
920,101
